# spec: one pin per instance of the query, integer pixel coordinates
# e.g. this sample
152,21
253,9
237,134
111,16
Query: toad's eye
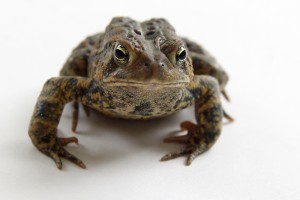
121,54
181,55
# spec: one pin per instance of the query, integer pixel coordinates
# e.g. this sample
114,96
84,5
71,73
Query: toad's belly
141,103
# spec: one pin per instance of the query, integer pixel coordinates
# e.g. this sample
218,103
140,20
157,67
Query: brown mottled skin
136,71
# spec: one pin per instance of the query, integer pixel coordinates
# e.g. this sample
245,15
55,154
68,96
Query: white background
257,157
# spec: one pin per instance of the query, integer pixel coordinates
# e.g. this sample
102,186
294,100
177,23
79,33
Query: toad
134,71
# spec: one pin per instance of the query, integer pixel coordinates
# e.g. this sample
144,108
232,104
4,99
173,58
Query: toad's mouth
147,84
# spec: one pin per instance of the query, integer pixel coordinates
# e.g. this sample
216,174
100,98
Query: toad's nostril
146,64
162,64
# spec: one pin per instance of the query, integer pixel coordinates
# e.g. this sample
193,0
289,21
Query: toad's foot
194,146
56,152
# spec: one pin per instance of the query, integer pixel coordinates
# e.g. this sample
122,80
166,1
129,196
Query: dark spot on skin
150,23
197,139
137,32
151,27
46,139
209,136
47,110
110,98
94,88
196,93
81,92
143,106
150,33
188,46
71,83
129,95
213,114
91,42
143,109
127,25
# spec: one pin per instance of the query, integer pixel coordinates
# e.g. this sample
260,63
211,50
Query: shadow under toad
143,134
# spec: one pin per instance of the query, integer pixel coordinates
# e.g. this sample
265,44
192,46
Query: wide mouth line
144,84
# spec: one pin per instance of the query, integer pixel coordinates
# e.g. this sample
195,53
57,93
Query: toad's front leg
48,109
209,113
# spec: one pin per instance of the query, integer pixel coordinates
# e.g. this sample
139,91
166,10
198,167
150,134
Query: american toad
135,71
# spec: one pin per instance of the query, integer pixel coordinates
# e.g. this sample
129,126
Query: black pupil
182,55
120,54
